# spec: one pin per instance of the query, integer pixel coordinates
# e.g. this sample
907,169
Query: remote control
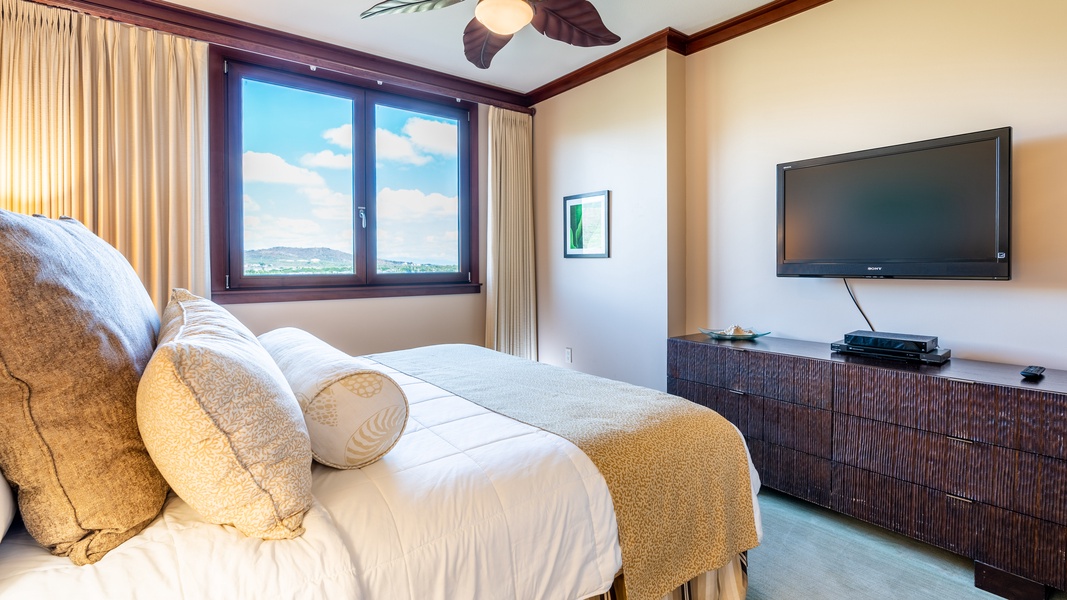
1033,372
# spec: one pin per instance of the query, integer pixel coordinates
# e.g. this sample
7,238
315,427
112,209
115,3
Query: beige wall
612,134
856,74
375,324
382,324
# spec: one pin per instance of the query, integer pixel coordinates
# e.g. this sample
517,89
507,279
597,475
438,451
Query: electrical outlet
568,356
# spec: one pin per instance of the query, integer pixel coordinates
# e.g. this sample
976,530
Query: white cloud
413,205
390,146
271,168
301,227
250,204
268,232
419,140
327,160
418,227
434,137
340,136
329,204
317,217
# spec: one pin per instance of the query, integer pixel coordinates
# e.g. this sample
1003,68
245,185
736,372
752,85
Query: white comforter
469,504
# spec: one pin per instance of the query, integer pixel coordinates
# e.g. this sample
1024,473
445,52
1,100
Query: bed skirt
730,582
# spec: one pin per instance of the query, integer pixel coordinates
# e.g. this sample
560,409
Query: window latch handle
363,215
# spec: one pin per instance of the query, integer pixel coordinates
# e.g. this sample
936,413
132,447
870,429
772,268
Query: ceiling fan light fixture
504,17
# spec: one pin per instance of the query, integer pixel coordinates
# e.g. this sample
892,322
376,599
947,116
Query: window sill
248,296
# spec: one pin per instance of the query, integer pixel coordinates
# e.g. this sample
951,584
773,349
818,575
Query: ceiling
434,39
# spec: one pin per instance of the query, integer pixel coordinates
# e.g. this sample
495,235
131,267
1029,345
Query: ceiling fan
495,22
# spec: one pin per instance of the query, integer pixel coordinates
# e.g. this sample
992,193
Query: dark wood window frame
227,283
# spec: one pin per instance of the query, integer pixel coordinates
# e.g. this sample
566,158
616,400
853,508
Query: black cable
858,307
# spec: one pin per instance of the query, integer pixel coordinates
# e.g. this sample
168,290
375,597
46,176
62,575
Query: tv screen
935,209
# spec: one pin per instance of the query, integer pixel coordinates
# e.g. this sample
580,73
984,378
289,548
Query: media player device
937,356
899,342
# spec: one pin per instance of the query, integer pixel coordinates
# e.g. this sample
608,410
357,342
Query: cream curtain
107,123
511,309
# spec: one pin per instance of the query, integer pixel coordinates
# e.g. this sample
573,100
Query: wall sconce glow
504,17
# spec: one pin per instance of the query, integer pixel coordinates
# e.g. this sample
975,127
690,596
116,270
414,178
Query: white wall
371,325
856,74
609,134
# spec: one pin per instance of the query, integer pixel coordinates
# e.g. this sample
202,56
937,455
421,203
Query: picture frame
587,225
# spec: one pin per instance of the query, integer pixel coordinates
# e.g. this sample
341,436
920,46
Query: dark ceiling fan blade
574,22
406,6
481,45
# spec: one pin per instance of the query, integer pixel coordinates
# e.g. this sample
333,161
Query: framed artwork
586,225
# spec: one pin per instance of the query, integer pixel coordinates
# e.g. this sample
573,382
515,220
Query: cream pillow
354,414
221,423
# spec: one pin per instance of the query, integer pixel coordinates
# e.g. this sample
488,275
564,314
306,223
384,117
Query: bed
465,503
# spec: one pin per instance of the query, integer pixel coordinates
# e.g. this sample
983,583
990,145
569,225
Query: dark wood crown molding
226,32
752,20
612,62
676,41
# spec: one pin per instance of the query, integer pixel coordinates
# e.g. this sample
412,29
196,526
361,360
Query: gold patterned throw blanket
677,472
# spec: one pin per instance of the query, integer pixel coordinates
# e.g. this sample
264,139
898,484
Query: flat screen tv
935,209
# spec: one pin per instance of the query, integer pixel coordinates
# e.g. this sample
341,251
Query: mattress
469,504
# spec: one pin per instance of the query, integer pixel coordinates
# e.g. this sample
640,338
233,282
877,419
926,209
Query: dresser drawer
939,462
802,428
703,363
791,379
744,411
713,365
809,430
1023,545
792,472
947,406
1029,420
1024,483
913,510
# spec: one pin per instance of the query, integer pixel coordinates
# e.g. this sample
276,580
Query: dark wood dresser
965,456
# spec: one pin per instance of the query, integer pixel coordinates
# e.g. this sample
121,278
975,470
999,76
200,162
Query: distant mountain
284,253
284,260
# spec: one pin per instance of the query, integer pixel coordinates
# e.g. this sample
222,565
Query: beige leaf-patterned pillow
354,414
221,423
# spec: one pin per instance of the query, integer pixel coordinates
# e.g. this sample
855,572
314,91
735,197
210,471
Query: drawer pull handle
957,380
959,440
738,392
960,498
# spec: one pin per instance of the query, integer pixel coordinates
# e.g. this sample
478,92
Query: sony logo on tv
874,268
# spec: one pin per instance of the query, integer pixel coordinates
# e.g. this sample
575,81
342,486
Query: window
333,189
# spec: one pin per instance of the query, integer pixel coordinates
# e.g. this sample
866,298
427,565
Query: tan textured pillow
76,330
222,424
354,414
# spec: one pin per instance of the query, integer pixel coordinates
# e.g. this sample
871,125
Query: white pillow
7,507
354,415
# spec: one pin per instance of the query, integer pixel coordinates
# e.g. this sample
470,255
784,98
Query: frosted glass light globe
504,17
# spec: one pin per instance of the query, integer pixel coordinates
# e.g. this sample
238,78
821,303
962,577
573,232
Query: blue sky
298,187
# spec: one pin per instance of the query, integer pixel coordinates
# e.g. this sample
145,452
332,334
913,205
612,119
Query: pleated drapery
107,123
511,307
